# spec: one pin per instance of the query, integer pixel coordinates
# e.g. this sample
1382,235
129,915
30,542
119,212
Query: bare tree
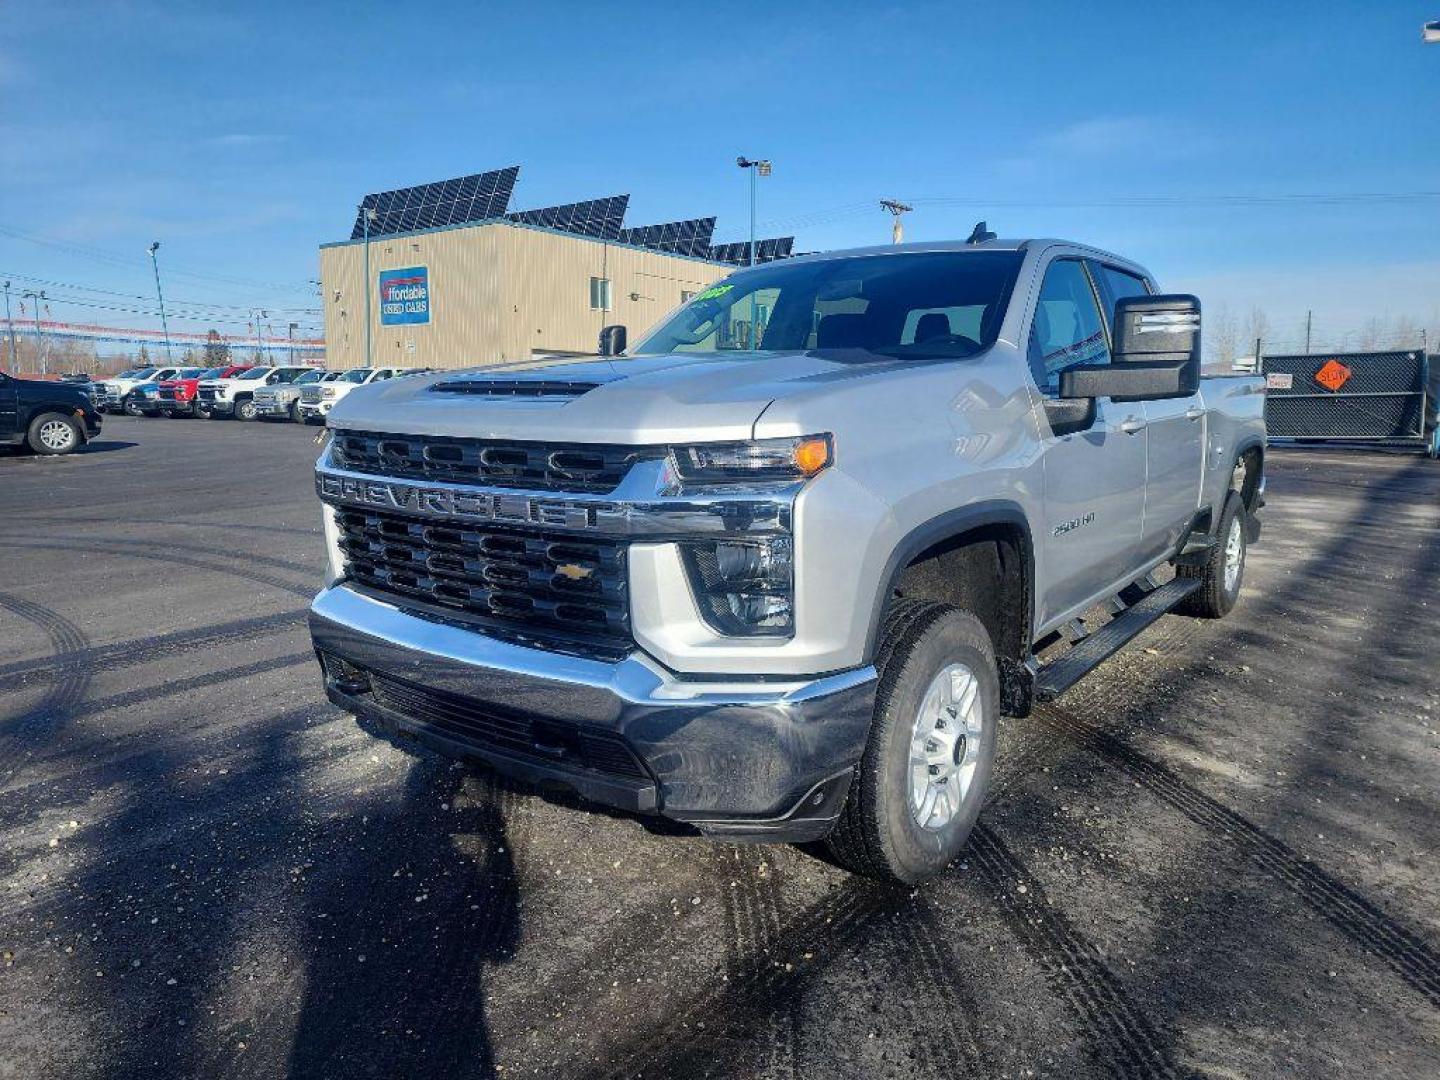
1257,328
1222,337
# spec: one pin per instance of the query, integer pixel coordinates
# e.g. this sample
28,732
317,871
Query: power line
193,304
116,259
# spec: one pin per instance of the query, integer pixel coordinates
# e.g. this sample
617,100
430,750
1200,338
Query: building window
686,295
599,294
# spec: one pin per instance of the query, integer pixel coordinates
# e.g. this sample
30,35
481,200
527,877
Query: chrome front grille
537,466
532,583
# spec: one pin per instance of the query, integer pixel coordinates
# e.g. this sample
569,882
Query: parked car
146,399
48,417
777,572
282,401
114,392
316,401
235,395
178,397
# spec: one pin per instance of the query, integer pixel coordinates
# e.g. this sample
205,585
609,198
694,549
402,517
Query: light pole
367,215
37,297
10,325
759,167
164,326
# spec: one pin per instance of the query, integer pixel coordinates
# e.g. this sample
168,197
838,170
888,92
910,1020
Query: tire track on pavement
1110,1020
143,650
54,709
1355,917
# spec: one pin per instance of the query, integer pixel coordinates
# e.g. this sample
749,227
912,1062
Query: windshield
143,373
921,305
309,377
254,373
358,375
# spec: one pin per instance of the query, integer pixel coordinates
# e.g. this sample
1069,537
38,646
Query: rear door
9,408
1094,477
1175,443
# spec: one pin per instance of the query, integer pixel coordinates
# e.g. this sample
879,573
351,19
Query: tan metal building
496,290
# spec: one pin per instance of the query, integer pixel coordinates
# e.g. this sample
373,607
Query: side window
1121,284
383,373
1066,330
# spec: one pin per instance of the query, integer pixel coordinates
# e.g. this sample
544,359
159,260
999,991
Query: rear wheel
1223,571
53,433
922,780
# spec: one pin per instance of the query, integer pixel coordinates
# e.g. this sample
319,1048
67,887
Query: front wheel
245,410
1223,571
131,407
295,417
53,433
922,780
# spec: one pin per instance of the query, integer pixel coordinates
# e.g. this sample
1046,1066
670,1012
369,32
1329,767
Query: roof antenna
980,234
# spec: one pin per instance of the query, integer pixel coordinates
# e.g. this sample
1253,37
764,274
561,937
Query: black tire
245,410
212,414
879,834
1215,597
131,407
43,435
295,417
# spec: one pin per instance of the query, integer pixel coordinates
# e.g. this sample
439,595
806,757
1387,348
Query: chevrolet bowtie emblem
574,572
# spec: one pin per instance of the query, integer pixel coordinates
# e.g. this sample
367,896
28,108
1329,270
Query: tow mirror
1156,353
612,340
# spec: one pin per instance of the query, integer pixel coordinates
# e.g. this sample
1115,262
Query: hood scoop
535,389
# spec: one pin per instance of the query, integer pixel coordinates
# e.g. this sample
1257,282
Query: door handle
1194,412
1132,425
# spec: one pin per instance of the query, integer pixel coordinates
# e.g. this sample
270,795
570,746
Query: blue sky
242,138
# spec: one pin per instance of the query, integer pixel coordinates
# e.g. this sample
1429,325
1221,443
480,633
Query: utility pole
759,167
367,215
1308,317
37,297
10,325
897,231
257,315
290,333
164,326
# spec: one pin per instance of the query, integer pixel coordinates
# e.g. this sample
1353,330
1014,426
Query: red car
177,396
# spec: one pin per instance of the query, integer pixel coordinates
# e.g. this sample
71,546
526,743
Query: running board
1054,678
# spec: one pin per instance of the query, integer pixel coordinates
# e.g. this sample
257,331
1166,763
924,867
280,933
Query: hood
669,397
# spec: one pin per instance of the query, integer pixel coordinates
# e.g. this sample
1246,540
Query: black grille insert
486,726
557,587
515,388
539,466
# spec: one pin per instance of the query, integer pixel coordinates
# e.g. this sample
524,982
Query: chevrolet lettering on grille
444,502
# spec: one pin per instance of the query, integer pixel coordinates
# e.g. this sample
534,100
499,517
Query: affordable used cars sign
405,296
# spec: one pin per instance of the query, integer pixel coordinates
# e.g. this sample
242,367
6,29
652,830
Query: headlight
760,459
744,588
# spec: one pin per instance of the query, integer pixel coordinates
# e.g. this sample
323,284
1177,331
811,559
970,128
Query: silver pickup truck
776,571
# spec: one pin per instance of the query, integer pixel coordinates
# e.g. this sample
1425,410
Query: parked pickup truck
777,571
118,394
48,417
179,396
282,402
316,401
235,396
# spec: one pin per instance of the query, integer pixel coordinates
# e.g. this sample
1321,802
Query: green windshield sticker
713,292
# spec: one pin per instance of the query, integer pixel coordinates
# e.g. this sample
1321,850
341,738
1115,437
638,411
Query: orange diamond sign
1333,375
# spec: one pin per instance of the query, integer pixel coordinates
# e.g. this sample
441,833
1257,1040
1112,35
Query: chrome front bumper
762,760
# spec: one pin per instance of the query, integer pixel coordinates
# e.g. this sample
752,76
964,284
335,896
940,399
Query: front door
1174,440
1095,477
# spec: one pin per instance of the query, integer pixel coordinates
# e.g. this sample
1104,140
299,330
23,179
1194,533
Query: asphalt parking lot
1216,857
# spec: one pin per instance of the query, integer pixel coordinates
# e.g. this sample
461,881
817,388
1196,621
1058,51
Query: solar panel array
428,206
738,254
599,218
676,237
